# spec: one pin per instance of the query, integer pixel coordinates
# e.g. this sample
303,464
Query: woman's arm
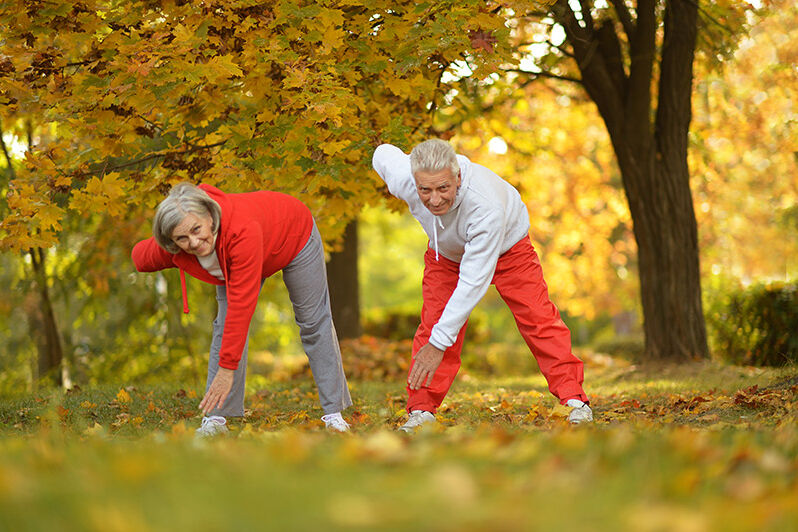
148,256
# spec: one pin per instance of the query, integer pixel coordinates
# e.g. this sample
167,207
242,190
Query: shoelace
206,421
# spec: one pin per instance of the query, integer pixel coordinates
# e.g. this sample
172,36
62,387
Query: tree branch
581,39
9,166
106,168
705,13
534,15
482,109
550,44
642,54
544,74
625,18
596,79
586,15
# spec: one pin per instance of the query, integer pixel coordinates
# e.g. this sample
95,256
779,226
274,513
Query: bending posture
235,241
479,235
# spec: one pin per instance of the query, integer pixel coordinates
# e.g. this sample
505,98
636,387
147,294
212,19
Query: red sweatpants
519,280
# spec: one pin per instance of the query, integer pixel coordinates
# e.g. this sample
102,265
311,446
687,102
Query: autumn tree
634,60
291,96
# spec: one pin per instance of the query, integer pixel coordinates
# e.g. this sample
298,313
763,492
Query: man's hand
218,391
427,361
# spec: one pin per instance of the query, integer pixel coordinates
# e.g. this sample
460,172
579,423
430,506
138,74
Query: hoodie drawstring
435,234
183,288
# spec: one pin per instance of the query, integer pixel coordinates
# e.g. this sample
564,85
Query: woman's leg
234,404
306,280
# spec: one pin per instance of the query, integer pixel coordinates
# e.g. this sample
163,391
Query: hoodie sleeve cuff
436,344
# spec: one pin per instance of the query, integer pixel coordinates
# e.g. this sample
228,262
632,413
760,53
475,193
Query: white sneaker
335,422
581,412
211,426
416,419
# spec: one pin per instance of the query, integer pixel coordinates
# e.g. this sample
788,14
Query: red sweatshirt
260,234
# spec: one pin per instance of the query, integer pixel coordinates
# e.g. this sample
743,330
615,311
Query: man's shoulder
386,153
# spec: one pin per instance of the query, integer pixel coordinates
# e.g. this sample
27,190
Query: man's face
194,235
437,190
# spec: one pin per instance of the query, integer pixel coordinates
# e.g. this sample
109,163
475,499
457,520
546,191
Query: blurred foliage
743,147
377,359
753,325
630,347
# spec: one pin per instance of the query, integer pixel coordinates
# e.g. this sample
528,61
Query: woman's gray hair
433,155
183,199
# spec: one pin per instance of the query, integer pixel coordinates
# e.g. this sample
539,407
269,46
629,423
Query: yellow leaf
532,414
298,416
223,64
334,147
123,396
560,411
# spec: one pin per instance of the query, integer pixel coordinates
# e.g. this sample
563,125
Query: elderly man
478,229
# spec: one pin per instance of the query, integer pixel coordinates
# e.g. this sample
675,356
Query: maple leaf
482,40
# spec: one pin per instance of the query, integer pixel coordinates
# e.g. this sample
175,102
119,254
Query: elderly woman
235,241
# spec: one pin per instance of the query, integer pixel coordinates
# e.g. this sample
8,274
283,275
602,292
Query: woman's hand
218,391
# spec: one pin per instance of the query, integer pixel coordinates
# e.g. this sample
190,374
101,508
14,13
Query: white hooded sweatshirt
486,219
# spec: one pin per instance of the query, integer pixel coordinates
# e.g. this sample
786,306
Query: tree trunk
652,159
677,329
342,277
49,345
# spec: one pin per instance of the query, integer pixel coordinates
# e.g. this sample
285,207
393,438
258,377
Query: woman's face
193,235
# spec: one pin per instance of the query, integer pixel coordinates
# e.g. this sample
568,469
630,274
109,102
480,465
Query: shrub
757,325
631,347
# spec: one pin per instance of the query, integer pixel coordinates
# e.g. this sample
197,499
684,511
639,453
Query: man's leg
440,280
234,404
306,280
519,280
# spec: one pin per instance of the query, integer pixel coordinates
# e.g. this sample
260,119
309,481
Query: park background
677,280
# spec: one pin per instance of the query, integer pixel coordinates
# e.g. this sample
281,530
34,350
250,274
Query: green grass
688,448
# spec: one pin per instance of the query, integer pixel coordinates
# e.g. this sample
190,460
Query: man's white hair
433,155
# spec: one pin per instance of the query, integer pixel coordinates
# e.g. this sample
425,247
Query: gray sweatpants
306,280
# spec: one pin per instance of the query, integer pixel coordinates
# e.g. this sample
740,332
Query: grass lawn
698,447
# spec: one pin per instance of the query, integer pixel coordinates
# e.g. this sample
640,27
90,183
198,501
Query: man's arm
477,267
393,167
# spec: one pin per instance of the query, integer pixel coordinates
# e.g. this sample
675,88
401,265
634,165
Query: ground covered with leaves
699,447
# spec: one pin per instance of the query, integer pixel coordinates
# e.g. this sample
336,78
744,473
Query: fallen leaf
123,396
